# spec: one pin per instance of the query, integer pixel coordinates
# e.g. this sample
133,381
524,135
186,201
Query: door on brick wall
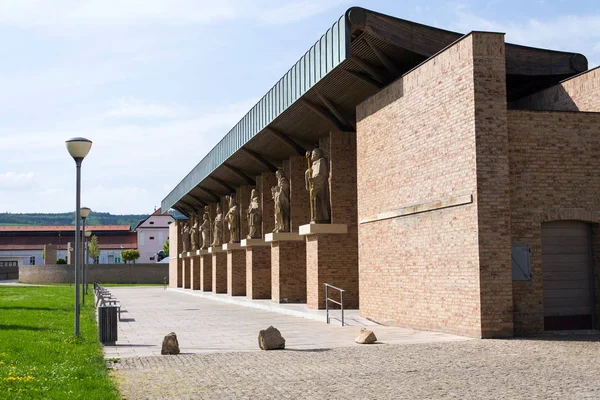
567,271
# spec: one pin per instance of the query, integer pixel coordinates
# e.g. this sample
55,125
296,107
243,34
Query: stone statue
317,183
205,230
281,195
233,220
194,231
218,227
185,237
254,217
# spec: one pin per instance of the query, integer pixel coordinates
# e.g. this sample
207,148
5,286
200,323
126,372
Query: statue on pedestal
185,237
281,196
194,231
218,227
205,230
254,217
233,220
317,183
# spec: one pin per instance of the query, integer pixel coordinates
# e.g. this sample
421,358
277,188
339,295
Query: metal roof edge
325,55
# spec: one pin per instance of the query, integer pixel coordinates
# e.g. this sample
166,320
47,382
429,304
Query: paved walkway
205,325
221,360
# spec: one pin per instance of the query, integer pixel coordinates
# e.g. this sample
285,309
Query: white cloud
130,107
576,33
10,180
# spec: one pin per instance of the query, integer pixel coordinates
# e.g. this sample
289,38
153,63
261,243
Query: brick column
219,272
333,258
258,272
187,272
288,272
175,263
206,272
195,272
236,272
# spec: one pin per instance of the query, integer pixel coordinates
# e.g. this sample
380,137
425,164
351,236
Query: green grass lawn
39,356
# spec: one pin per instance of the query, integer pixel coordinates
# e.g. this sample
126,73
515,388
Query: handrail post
326,303
342,301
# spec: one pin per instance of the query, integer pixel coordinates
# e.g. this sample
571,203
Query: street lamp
83,213
85,267
78,148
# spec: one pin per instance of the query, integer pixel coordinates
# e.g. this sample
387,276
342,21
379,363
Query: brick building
463,183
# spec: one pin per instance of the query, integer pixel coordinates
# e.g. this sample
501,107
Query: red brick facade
288,272
219,272
236,272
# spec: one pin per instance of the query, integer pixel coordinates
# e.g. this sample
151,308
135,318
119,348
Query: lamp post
83,213
78,148
85,267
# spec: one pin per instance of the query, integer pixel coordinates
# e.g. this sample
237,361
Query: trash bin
107,324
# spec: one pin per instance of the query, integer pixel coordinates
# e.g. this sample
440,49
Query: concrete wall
554,174
101,273
437,133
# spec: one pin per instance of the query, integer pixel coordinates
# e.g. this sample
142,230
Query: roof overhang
360,54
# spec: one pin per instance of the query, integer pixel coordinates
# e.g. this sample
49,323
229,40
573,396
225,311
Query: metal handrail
327,300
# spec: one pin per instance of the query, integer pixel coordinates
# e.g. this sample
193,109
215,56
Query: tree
166,247
93,249
130,255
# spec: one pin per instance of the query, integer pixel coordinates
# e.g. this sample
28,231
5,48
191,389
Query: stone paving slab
472,369
203,325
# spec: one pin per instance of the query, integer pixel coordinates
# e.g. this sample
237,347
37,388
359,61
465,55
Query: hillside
95,218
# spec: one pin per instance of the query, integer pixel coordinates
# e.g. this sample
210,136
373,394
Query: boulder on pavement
366,337
270,339
170,345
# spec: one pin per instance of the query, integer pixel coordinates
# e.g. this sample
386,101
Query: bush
61,261
130,255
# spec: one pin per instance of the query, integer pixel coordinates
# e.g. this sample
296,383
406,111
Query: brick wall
258,272
416,142
101,273
294,170
175,267
264,183
206,272
236,272
195,272
580,93
219,272
288,272
554,158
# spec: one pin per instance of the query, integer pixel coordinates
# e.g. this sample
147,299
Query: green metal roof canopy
326,54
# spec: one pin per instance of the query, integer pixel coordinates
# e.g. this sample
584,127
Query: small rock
271,339
170,344
366,337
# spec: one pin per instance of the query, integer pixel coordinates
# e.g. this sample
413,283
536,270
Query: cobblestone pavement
542,368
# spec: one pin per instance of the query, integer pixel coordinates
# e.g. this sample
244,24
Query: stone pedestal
175,262
219,271
236,272
288,268
206,272
195,272
258,268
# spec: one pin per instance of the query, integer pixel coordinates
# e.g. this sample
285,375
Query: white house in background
152,233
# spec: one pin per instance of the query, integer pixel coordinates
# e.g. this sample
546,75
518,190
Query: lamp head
84,212
88,234
78,147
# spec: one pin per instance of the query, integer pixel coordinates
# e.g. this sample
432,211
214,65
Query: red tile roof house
23,245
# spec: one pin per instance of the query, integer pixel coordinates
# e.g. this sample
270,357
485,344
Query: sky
155,84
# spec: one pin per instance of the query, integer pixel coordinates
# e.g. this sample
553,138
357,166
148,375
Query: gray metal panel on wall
326,54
